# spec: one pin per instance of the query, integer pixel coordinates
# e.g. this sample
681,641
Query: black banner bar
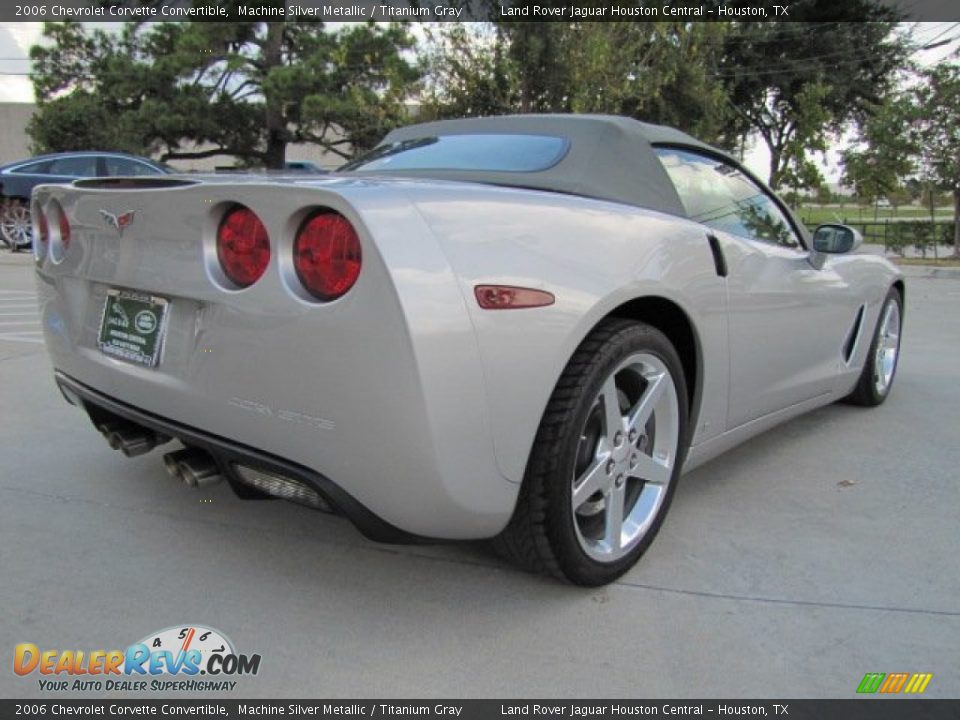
438,10
866,709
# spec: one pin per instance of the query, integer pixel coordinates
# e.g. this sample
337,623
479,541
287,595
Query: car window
124,167
495,153
721,196
34,168
76,166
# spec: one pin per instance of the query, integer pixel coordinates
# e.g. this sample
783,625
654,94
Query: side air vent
853,338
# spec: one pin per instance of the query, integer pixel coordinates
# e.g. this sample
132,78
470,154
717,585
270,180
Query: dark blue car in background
18,179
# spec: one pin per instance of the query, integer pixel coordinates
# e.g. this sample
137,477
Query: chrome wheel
874,384
15,225
625,457
888,348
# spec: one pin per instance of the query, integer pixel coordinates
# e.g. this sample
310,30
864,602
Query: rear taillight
326,255
43,227
243,247
54,229
41,233
64,225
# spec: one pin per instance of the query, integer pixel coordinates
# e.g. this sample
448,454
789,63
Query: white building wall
14,143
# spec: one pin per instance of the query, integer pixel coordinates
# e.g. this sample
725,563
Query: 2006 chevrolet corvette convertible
518,328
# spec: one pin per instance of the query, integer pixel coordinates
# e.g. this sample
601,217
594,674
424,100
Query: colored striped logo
893,683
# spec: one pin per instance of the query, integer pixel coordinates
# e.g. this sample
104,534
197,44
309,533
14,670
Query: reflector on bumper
281,487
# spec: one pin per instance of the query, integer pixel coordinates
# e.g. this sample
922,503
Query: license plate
133,326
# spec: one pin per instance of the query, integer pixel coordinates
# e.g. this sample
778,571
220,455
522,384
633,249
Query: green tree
887,151
846,54
468,72
824,196
799,171
657,72
241,89
937,128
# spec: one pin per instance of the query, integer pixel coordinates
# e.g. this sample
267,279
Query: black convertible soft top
609,157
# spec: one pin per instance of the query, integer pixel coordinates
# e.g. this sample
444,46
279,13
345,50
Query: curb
24,257
921,271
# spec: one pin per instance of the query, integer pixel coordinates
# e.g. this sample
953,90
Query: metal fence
898,236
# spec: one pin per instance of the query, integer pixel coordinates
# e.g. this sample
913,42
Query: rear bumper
228,453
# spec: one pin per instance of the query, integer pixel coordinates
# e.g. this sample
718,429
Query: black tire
3,210
866,393
542,535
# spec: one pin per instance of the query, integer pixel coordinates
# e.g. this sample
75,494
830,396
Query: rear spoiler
119,183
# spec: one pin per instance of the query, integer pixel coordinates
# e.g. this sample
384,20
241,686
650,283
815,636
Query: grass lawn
817,214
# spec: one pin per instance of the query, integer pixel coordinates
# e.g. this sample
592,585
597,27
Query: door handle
719,261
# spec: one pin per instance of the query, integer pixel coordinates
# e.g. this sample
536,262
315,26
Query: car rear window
124,167
75,166
490,153
35,168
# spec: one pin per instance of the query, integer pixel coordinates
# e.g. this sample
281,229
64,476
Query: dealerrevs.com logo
181,658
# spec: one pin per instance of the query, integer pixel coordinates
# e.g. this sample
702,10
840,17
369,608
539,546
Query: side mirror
836,239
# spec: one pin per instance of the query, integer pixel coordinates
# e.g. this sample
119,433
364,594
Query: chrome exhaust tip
107,430
129,439
171,462
192,467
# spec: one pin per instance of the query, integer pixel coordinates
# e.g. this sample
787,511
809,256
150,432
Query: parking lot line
32,336
20,317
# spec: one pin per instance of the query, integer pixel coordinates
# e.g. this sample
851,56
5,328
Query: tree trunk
956,222
524,96
276,149
933,225
775,156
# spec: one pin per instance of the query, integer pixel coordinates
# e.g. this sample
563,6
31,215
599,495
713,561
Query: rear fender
594,257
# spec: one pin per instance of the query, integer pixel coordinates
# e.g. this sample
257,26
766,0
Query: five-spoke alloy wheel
606,457
625,457
16,227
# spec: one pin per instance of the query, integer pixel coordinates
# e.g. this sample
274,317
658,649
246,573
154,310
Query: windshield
492,153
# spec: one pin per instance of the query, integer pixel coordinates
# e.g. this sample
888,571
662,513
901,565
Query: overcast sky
16,39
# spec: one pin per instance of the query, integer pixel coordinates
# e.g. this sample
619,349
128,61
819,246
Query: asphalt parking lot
822,550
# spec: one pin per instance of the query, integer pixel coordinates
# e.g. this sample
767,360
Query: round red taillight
326,255
243,247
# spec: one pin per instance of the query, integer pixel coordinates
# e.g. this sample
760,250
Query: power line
794,67
939,35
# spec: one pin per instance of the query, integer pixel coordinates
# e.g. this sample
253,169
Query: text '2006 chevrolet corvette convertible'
518,328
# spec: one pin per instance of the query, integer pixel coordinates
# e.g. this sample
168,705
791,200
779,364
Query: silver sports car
520,328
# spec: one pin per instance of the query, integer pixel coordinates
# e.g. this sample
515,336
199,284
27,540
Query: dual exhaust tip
130,439
192,467
197,468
